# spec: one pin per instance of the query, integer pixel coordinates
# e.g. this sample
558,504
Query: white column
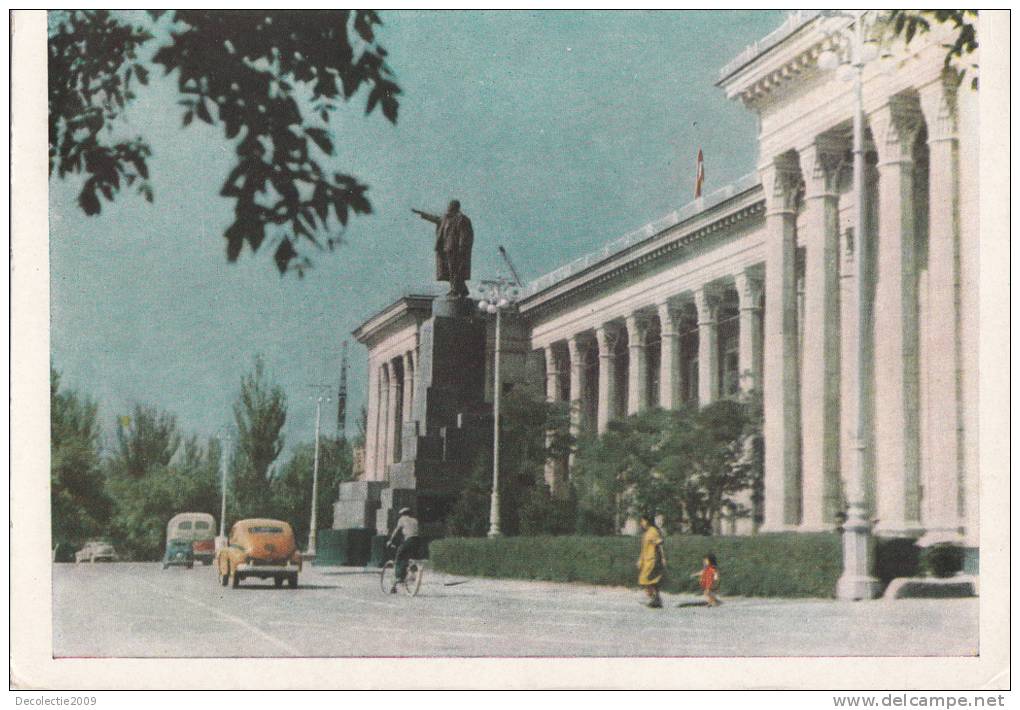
780,180
607,375
413,358
371,425
708,346
820,370
637,365
382,427
941,491
553,469
750,341
748,287
895,127
408,389
669,359
393,391
969,224
577,373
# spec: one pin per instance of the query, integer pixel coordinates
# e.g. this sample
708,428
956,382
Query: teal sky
558,132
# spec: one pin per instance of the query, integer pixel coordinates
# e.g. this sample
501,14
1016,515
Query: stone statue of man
454,238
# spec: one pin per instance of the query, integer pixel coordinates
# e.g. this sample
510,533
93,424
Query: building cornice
778,59
743,205
417,307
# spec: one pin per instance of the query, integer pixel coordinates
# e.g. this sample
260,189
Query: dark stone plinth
454,307
449,419
451,371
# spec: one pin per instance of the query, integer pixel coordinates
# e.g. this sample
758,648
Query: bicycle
411,583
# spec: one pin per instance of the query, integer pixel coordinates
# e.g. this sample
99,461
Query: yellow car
259,547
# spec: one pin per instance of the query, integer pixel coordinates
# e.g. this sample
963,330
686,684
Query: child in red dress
708,579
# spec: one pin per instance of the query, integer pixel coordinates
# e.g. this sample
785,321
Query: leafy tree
79,507
259,415
531,433
145,505
910,23
292,487
270,79
155,474
146,438
686,465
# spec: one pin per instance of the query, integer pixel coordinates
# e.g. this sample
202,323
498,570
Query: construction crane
341,397
510,265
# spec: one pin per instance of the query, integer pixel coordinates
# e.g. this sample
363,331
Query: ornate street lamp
856,581
497,296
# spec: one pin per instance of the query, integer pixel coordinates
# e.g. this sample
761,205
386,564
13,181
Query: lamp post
310,551
221,541
497,296
856,581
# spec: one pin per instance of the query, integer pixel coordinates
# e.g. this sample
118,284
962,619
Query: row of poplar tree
127,487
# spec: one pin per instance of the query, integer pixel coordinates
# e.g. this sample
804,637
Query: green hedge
767,565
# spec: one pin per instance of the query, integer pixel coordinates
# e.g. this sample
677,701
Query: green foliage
146,438
910,23
145,499
531,432
469,516
942,560
92,66
145,505
542,513
685,465
259,415
780,565
291,488
79,506
270,79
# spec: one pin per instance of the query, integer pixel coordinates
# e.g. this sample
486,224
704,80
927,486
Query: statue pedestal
449,421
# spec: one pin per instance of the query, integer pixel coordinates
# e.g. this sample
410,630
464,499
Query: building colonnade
788,325
912,345
391,392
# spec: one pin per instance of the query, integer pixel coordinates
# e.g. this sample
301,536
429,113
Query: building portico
752,290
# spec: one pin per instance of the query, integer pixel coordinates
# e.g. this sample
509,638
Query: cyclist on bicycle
407,529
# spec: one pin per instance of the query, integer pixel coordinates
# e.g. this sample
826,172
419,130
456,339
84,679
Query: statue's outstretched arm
427,216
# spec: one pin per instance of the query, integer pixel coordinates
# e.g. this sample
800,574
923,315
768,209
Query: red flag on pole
700,178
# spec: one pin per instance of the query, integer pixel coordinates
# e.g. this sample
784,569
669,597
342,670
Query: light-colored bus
199,529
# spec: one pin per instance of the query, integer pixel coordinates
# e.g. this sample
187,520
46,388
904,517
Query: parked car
96,551
259,547
197,528
179,552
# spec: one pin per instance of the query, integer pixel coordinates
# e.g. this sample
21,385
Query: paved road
139,610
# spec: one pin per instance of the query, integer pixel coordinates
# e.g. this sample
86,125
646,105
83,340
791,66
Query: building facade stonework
754,287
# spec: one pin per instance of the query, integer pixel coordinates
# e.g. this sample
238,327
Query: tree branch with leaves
271,80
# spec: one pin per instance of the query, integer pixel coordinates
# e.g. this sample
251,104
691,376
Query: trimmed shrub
767,565
942,560
896,557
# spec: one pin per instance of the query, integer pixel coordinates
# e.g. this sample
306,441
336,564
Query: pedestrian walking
708,579
651,563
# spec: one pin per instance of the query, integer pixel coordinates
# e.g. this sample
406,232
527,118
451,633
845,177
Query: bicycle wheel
415,571
387,576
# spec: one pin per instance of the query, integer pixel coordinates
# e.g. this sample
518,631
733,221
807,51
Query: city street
140,610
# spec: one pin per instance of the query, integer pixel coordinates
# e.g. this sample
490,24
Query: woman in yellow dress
652,562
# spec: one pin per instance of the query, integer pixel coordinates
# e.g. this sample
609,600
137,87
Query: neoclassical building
754,286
